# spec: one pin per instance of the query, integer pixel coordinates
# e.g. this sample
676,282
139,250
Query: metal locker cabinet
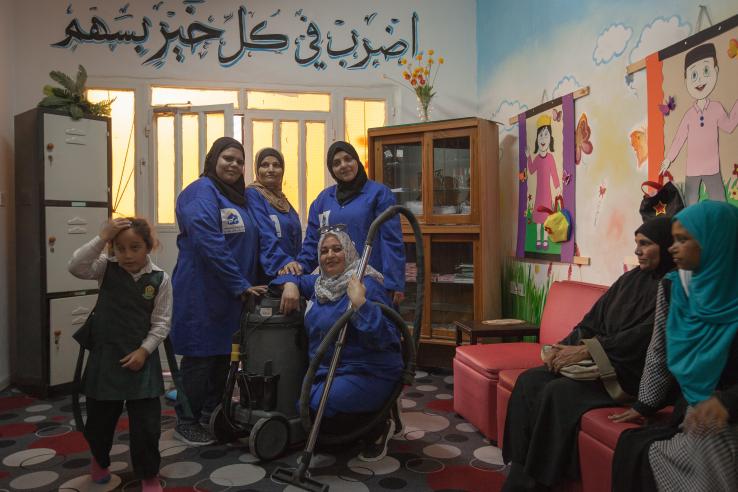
68,228
66,316
63,181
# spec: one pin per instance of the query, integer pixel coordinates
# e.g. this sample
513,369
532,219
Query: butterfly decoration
582,143
735,170
668,107
566,178
639,142
733,48
556,114
523,176
603,190
629,78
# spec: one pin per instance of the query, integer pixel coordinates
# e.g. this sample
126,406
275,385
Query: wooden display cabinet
446,173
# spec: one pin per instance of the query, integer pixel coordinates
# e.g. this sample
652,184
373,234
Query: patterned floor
438,451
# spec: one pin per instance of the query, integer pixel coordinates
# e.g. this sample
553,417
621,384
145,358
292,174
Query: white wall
447,27
6,180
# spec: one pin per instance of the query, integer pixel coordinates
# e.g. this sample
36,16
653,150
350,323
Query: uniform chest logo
323,218
149,292
231,221
277,227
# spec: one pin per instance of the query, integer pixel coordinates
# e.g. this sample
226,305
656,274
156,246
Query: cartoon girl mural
700,126
544,167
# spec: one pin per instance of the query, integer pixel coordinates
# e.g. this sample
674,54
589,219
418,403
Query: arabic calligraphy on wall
343,45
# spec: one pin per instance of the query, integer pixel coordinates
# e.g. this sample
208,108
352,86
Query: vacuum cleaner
299,476
268,363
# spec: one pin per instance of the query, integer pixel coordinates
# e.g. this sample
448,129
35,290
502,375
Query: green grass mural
529,306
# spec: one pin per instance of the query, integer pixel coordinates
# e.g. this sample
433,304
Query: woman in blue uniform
356,200
220,250
272,210
371,362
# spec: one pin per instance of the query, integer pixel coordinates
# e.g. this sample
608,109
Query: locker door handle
52,242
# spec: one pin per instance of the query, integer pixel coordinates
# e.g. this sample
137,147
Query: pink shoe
151,485
538,245
98,473
545,244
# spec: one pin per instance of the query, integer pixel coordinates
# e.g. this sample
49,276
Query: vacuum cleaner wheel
269,437
219,427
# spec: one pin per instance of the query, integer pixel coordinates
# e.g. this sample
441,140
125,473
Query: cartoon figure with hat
700,127
544,167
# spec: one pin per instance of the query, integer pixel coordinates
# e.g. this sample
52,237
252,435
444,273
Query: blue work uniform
371,362
388,253
220,249
285,226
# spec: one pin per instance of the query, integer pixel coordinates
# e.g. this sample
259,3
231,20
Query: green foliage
528,307
71,97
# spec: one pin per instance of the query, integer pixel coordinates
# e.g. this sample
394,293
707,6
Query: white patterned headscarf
328,289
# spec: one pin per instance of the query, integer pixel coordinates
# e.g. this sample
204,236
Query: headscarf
234,192
702,325
345,191
276,198
658,230
329,289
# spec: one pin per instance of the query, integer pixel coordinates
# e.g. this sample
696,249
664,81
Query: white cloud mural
567,84
611,43
659,34
505,111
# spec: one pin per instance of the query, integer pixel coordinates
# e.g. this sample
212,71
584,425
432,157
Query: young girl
130,320
544,166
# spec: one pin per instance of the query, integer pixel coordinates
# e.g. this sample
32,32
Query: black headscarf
345,191
658,230
234,192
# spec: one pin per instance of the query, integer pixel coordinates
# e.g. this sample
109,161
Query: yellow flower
427,72
403,61
440,60
430,52
430,61
419,57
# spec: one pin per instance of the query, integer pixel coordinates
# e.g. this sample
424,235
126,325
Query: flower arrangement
418,73
71,97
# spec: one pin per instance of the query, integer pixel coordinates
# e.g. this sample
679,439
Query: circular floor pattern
85,484
426,387
34,418
248,458
444,396
39,408
408,403
34,480
385,466
442,451
424,421
448,380
53,430
118,449
29,457
424,465
466,427
237,475
171,447
319,460
335,483
489,454
117,466
420,374
181,469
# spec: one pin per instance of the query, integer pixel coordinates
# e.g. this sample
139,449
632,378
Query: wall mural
693,113
241,33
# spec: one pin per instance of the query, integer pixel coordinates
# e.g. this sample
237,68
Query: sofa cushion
508,377
493,357
566,304
596,424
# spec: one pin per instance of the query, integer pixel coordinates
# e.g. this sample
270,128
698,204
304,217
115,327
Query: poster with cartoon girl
547,184
693,83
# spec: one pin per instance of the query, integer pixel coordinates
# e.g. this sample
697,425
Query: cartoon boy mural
700,125
544,167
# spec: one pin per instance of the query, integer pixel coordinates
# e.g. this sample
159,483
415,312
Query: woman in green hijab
699,352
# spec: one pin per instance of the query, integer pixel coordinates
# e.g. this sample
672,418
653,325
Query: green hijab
703,314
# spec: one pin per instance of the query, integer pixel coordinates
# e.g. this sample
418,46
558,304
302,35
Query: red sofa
484,376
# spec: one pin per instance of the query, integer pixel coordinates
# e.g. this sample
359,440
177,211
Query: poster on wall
547,181
693,113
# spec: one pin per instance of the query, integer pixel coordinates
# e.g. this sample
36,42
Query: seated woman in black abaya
545,407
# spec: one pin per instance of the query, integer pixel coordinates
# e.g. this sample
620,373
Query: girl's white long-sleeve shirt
89,262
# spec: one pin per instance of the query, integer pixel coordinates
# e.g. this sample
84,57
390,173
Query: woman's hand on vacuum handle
291,268
356,292
290,298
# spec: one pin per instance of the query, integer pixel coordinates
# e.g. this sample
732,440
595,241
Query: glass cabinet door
452,176
407,306
451,284
402,171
